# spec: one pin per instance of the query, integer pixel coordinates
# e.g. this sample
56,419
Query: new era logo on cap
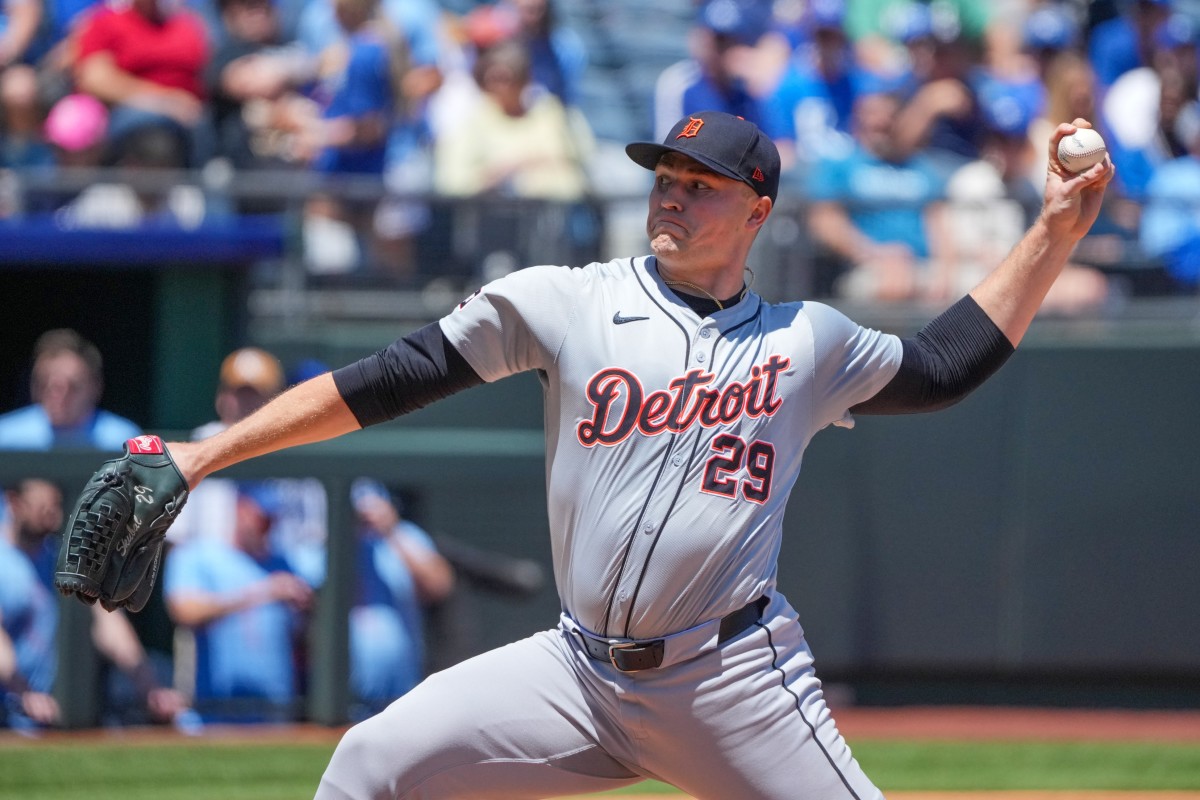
728,145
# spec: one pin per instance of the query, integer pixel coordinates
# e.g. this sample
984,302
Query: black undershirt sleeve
408,374
947,360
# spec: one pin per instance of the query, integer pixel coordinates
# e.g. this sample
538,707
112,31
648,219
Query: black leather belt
648,653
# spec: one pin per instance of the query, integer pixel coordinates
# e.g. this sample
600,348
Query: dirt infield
909,722
1040,796
997,796
988,796
1046,795
925,722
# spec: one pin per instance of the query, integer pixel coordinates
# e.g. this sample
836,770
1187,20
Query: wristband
143,678
12,705
17,684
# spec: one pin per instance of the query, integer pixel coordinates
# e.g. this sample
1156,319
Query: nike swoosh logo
619,320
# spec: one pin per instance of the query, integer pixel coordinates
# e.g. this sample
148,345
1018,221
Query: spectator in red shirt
146,60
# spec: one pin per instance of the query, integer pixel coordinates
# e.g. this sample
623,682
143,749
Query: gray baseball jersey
672,444
672,441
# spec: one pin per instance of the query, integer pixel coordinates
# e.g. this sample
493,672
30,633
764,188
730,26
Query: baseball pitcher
678,405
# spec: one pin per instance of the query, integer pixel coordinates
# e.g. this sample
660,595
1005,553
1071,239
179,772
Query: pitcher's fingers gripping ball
1082,150
113,541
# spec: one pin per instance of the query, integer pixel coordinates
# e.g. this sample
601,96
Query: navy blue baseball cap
742,21
826,15
1050,28
1178,31
728,145
911,23
1009,110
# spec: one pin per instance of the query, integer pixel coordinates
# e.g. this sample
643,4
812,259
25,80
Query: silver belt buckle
613,647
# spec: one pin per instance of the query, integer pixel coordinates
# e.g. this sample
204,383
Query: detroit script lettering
620,405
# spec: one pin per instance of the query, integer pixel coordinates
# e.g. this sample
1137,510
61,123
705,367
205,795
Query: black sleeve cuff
409,374
947,360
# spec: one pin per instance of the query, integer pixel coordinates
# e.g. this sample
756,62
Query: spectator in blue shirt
20,119
557,54
28,613
67,383
373,121
418,24
360,95
1126,41
248,378
245,607
1140,108
993,199
941,111
808,115
1170,223
255,80
715,78
29,620
399,573
878,210
1049,31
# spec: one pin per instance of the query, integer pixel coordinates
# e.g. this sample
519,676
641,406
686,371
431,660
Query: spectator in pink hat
76,127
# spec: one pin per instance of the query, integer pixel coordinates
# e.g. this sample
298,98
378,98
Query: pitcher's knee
360,768
354,747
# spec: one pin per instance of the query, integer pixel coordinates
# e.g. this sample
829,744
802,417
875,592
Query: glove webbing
86,555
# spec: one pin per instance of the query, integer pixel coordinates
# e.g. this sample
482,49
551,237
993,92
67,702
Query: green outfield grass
222,771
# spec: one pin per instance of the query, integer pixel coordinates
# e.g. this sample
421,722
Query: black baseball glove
113,541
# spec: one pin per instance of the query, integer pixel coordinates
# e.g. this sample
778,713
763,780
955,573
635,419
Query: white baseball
1081,150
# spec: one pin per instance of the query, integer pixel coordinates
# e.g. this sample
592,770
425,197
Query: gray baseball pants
539,718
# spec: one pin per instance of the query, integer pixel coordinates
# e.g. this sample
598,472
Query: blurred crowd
243,563
914,133
226,638
362,88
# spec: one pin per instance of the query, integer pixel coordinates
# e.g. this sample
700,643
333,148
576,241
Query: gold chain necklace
702,290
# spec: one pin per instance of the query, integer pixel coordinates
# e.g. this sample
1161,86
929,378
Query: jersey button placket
704,335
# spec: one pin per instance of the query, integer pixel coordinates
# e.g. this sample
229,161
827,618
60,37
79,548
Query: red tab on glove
147,445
